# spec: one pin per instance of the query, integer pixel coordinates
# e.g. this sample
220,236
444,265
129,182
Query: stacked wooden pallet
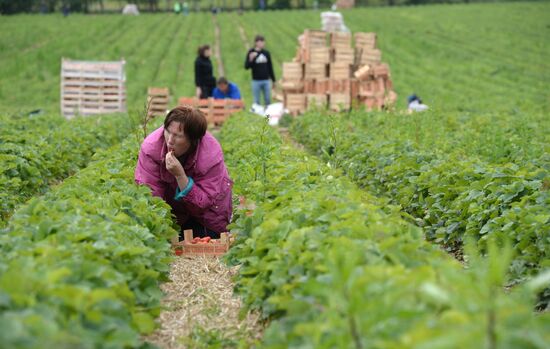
89,87
365,49
374,86
216,111
324,73
158,99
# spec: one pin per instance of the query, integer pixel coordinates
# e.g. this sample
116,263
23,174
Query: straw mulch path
201,310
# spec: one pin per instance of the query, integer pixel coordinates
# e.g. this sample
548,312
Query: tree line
51,6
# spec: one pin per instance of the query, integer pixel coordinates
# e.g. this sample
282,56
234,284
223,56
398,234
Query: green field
357,219
482,57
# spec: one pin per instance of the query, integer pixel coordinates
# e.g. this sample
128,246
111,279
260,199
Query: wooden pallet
316,101
339,101
340,40
295,86
370,56
158,99
365,40
381,70
316,55
90,87
316,86
372,88
343,55
295,102
340,70
314,38
364,73
315,71
216,111
293,71
339,86
216,247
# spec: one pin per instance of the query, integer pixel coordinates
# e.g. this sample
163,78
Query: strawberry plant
81,265
332,266
35,152
451,196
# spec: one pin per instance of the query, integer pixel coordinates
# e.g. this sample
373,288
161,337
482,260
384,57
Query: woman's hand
252,55
198,92
173,165
176,169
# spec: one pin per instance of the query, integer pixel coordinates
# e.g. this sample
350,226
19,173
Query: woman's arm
205,189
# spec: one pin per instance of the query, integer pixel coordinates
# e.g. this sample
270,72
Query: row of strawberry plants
494,137
80,266
37,151
451,196
333,267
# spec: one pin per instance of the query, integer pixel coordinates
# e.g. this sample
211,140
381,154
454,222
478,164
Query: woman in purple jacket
183,164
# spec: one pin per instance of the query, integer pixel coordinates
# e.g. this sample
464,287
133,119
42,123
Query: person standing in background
259,61
65,9
204,76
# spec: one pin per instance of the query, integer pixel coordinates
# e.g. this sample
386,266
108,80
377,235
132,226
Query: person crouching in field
415,104
226,89
183,164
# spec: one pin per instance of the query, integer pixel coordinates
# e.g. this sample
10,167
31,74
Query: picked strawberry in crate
197,246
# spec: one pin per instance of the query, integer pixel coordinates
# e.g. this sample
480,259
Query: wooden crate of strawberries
207,246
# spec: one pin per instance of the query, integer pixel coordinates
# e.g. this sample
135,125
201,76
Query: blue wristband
181,194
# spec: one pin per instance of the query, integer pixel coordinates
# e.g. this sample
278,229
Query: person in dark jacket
204,77
259,61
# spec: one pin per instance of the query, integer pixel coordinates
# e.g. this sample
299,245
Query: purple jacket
209,202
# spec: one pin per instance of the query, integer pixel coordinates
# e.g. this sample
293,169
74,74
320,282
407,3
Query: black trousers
199,230
206,91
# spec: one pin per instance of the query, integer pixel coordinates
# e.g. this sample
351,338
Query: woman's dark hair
259,38
202,49
223,80
193,121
